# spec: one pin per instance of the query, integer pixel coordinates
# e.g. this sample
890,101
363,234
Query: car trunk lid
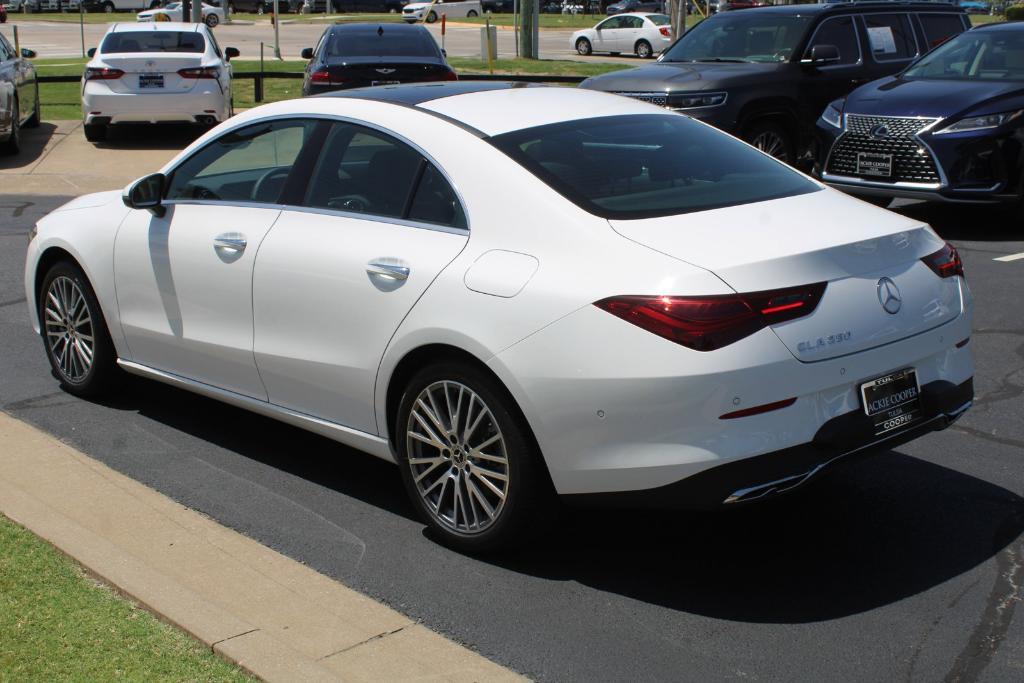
153,74
864,254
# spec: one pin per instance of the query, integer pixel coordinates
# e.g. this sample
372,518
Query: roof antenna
380,30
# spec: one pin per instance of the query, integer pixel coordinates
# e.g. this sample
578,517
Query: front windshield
740,37
981,55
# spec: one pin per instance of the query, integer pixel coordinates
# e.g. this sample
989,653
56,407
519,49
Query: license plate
870,163
151,80
892,401
385,82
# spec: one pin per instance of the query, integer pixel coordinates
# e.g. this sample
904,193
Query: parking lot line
1009,257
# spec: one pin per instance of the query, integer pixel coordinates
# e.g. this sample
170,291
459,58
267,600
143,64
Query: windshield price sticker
882,39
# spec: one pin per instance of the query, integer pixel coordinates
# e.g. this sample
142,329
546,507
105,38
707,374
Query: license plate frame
874,164
892,401
372,83
154,81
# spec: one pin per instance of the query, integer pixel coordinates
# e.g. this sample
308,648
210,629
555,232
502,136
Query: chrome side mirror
146,193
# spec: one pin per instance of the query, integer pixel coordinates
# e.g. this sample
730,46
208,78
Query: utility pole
529,29
186,9
197,11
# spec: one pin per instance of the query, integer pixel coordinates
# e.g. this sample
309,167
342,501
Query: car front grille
912,162
658,98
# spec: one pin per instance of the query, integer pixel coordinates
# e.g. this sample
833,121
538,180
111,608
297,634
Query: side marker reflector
757,410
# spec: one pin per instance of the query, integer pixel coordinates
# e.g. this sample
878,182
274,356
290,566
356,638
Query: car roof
834,7
369,27
179,26
491,108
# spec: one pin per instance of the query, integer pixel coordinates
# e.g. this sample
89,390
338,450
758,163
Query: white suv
161,72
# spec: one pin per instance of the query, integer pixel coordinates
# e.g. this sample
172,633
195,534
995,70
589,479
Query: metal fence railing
258,77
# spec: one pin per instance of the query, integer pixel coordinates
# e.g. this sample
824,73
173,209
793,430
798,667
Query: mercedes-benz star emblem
880,131
889,296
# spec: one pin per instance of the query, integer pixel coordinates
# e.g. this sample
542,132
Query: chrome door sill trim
370,443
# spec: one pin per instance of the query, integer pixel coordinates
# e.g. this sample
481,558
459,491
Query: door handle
231,240
388,270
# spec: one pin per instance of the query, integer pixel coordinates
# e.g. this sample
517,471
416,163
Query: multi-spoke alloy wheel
457,457
74,332
771,139
69,329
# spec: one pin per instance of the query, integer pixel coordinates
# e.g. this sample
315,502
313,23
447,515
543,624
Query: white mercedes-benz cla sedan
160,72
515,292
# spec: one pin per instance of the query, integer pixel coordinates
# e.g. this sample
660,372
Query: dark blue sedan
950,127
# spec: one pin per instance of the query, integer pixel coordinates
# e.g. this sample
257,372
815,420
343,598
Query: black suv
767,73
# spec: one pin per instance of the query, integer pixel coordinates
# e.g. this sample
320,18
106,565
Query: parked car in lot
19,95
975,7
623,6
452,9
3,14
110,6
766,74
161,72
498,6
212,16
662,317
947,128
264,6
642,34
358,55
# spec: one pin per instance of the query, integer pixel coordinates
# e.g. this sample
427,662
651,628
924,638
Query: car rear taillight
945,262
200,72
451,76
102,74
665,31
321,76
706,323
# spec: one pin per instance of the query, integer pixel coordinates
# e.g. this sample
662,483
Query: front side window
840,32
644,166
153,41
362,170
890,37
250,164
740,37
614,22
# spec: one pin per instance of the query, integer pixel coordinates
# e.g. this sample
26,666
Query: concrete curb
265,612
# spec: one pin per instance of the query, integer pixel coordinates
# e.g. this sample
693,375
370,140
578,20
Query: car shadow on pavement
870,533
33,144
166,136
963,222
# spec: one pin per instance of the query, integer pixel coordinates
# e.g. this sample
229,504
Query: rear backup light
706,323
665,31
200,72
102,74
757,410
945,262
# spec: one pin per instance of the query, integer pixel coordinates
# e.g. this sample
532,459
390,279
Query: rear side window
153,41
890,37
938,28
649,165
362,170
390,43
837,31
250,164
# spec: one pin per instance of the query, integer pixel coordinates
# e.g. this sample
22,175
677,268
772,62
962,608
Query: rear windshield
649,165
386,43
153,41
659,19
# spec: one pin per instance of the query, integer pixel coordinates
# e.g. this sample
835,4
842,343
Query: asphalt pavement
907,565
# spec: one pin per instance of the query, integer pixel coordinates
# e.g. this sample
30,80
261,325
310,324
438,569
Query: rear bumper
838,440
156,108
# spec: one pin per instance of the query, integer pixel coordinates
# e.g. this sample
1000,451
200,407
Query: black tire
471,13
261,8
432,17
108,7
643,49
34,120
95,132
527,488
772,138
584,47
211,20
13,144
103,372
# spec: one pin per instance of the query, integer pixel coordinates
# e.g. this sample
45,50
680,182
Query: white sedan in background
161,72
665,314
641,33
212,16
452,9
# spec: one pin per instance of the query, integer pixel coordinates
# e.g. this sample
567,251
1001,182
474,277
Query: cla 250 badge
822,342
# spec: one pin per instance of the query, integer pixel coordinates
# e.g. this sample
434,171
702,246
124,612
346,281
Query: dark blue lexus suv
949,127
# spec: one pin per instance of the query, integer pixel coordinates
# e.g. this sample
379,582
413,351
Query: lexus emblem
385,71
889,296
880,132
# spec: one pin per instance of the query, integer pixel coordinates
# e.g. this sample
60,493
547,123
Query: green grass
58,624
63,100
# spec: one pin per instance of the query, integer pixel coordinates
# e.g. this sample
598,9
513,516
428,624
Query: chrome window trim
913,34
856,35
330,118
